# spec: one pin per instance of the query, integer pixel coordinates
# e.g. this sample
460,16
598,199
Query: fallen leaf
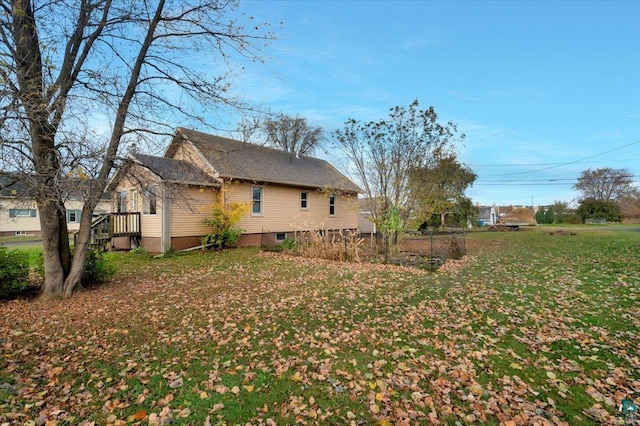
140,415
176,383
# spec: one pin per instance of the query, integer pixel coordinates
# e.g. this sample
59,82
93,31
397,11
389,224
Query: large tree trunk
72,281
36,93
55,241
55,252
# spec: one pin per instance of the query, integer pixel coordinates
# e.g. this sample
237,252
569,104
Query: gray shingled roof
245,161
175,171
484,212
25,187
12,187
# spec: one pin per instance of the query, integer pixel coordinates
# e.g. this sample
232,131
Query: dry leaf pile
513,337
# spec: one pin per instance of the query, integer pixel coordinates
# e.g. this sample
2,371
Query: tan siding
189,209
187,152
281,210
151,224
137,178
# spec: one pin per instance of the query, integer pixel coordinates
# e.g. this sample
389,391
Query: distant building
19,213
487,215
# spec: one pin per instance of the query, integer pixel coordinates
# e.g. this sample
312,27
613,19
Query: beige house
19,214
286,194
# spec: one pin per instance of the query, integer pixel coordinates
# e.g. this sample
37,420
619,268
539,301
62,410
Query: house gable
235,160
200,170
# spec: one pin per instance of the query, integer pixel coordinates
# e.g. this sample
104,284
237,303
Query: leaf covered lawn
533,329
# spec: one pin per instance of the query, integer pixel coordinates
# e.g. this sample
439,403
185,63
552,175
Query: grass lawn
34,252
20,239
535,329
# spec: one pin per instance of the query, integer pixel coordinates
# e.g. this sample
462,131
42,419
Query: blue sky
537,87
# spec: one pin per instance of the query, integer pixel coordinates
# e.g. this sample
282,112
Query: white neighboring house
19,214
488,215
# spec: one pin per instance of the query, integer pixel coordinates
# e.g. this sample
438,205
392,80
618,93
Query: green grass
536,325
20,239
34,253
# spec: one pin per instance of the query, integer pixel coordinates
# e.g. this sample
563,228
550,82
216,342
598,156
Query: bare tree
292,134
604,184
69,64
381,156
249,129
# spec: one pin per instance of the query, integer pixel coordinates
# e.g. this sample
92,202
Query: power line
542,164
603,180
530,183
573,162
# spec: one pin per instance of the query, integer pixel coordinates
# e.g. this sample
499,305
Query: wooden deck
112,225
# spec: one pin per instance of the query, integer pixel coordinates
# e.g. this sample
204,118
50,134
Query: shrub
573,219
225,239
288,244
222,220
591,208
14,271
139,250
96,268
39,267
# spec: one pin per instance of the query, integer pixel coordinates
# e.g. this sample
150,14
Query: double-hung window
304,200
150,200
332,205
256,199
73,216
134,200
121,202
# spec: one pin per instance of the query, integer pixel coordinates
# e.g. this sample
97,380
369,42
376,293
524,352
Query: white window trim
20,212
122,197
306,200
261,212
332,196
146,201
134,200
279,240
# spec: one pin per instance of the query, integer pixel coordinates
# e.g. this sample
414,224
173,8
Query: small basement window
281,236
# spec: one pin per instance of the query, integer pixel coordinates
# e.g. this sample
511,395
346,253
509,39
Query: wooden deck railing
106,227
124,224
